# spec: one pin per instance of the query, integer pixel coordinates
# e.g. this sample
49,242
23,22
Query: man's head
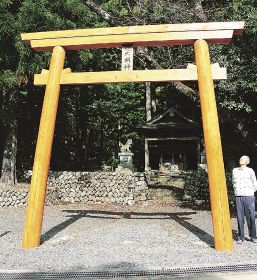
244,160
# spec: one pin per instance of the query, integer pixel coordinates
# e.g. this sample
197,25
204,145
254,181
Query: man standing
244,183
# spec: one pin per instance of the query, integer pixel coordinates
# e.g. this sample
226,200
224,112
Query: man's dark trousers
246,207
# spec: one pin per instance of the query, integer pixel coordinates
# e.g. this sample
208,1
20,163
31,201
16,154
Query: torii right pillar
216,174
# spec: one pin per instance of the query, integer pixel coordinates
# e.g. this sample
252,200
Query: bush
197,187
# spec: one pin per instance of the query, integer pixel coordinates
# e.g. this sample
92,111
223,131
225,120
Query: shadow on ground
4,233
121,266
182,218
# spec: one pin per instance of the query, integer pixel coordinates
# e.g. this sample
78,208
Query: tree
89,117
9,89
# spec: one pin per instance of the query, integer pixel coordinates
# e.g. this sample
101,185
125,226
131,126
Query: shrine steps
166,187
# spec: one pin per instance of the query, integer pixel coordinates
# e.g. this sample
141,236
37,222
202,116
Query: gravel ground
101,238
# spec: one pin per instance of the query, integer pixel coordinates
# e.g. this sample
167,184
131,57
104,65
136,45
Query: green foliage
7,80
197,187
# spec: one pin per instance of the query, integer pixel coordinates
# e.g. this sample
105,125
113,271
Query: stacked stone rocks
84,187
13,197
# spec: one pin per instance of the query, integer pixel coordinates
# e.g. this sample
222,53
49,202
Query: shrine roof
171,118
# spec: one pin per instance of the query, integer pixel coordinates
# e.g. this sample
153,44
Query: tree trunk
148,101
82,129
9,138
8,171
199,11
101,12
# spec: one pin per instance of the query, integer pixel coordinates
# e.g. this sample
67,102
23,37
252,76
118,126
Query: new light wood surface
189,74
236,26
37,192
216,175
144,39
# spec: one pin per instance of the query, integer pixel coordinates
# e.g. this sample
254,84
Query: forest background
92,119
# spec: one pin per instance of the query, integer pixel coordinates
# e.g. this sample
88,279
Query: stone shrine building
172,142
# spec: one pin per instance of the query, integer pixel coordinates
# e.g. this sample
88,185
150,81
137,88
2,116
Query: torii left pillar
36,200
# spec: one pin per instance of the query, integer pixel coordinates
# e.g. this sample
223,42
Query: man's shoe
254,240
239,241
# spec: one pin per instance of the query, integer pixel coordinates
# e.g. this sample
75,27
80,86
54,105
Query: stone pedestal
126,162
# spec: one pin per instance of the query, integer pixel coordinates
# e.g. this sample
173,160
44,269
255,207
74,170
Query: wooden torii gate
197,34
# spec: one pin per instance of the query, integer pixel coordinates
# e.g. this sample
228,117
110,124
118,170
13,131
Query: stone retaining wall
81,187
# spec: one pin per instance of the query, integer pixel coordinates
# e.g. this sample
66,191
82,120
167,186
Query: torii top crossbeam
146,35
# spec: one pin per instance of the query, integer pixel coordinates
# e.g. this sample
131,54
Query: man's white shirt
244,181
